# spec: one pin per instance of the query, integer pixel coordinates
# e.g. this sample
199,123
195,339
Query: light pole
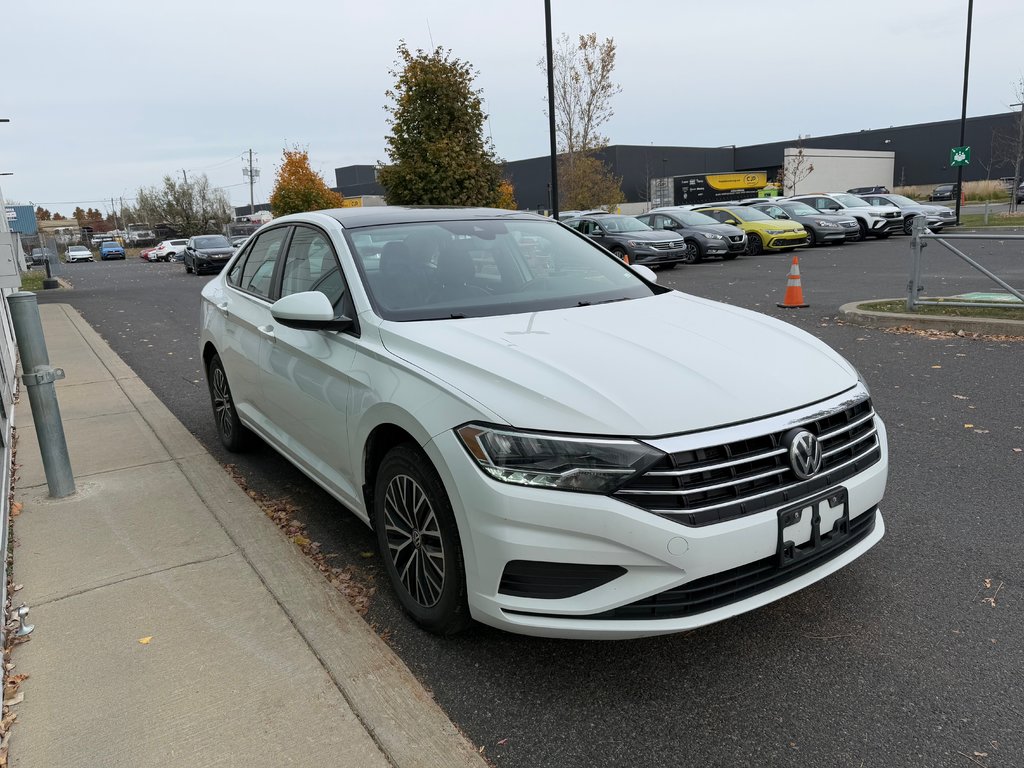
963,110
1017,157
551,110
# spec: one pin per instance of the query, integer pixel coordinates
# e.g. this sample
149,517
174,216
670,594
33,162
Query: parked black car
822,227
703,235
631,240
944,192
880,190
207,253
1020,193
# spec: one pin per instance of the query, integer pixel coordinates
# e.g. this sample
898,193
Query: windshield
623,224
78,248
749,214
901,200
212,241
693,219
480,268
852,201
798,209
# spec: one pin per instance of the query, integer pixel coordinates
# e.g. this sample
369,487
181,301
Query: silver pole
39,379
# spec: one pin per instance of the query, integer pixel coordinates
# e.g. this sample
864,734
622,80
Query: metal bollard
39,378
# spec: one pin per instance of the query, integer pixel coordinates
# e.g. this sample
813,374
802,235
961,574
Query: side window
717,215
259,264
312,266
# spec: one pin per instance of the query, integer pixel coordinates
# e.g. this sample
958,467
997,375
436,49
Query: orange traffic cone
794,298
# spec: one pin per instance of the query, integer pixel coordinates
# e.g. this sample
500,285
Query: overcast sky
110,96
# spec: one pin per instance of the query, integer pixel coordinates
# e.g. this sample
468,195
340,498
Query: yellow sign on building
725,181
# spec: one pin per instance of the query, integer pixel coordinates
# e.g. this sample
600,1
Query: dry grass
975,191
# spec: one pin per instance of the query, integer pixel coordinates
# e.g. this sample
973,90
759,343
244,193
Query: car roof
395,214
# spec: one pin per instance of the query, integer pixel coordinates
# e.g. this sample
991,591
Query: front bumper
501,523
785,240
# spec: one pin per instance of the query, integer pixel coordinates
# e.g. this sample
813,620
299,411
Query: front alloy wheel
755,247
419,541
693,254
234,435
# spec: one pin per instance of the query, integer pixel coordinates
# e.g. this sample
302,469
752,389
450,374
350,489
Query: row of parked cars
667,236
201,253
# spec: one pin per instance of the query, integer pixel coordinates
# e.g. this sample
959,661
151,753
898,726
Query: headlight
564,463
638,244
712,236
826,224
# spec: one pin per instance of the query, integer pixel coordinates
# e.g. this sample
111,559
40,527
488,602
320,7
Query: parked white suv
168,250
875,220
461,380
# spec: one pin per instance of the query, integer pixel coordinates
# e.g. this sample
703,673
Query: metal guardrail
919,240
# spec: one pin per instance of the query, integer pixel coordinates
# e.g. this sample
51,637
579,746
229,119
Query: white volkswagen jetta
542,438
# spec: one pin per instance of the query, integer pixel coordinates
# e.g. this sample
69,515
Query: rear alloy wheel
419,541
693,253
755,247
233,434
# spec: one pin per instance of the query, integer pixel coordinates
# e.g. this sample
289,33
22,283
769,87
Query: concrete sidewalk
254,660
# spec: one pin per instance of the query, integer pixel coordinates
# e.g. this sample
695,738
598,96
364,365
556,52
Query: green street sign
959,156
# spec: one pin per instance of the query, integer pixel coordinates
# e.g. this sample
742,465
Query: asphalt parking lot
912,656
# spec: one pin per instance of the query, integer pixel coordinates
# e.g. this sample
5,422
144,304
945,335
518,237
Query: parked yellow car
763,232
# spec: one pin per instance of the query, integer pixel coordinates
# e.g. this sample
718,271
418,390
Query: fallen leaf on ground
981,431
15,699
936,366
15,508
961,397
968,426
1018,450
145,640
503,742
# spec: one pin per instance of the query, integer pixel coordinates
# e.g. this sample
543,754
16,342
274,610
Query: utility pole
252,174
184,176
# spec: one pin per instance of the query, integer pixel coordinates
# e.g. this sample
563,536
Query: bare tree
795,169
192,208
583,104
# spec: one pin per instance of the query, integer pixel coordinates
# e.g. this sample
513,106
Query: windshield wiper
606,301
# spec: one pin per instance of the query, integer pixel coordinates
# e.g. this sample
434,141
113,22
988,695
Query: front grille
671,245
735,238
736,584
851,225
722,482
892,215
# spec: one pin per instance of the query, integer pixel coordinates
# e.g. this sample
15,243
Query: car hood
226,251
786,225
726,230
662,365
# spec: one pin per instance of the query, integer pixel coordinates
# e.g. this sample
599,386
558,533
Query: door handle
267,331
223,307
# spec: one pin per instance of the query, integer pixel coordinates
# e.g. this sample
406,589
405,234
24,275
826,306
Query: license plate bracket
812,525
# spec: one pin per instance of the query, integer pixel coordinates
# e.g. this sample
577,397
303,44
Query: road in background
911,656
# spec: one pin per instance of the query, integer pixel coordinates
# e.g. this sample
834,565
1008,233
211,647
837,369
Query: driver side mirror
781,215
310,311
730,221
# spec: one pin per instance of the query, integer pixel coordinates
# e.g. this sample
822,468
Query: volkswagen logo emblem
804,452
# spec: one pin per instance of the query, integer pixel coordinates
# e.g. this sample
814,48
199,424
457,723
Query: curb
984,325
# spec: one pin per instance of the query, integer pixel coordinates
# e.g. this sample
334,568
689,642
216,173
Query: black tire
755,246
620,252
908,225
188,269
863,229
234,435
419,541
812,239
693,253
882,235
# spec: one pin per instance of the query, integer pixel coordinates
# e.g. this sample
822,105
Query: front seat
455,272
